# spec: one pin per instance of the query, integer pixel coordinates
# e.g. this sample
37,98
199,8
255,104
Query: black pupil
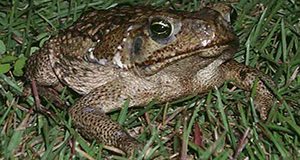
160,28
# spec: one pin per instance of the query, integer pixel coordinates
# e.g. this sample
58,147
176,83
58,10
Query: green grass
269,33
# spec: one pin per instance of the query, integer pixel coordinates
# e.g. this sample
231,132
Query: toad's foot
245,78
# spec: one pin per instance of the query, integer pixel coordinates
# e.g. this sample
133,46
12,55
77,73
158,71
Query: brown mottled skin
110,56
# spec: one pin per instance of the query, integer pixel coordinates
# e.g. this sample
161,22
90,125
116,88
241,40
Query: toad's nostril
226,11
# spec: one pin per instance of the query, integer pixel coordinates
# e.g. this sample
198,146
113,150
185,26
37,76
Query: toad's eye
160,29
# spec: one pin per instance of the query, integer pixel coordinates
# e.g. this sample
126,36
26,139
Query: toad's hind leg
39,70
245,77
89,117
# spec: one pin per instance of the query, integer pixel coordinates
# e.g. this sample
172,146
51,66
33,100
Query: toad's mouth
151,67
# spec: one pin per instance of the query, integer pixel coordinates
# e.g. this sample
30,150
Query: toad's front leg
89,117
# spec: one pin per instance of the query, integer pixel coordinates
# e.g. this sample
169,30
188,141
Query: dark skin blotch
243,74
137,44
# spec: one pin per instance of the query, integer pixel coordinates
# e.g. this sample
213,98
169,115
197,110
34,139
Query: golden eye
160,28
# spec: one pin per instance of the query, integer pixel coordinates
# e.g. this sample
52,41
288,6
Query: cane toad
140,54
